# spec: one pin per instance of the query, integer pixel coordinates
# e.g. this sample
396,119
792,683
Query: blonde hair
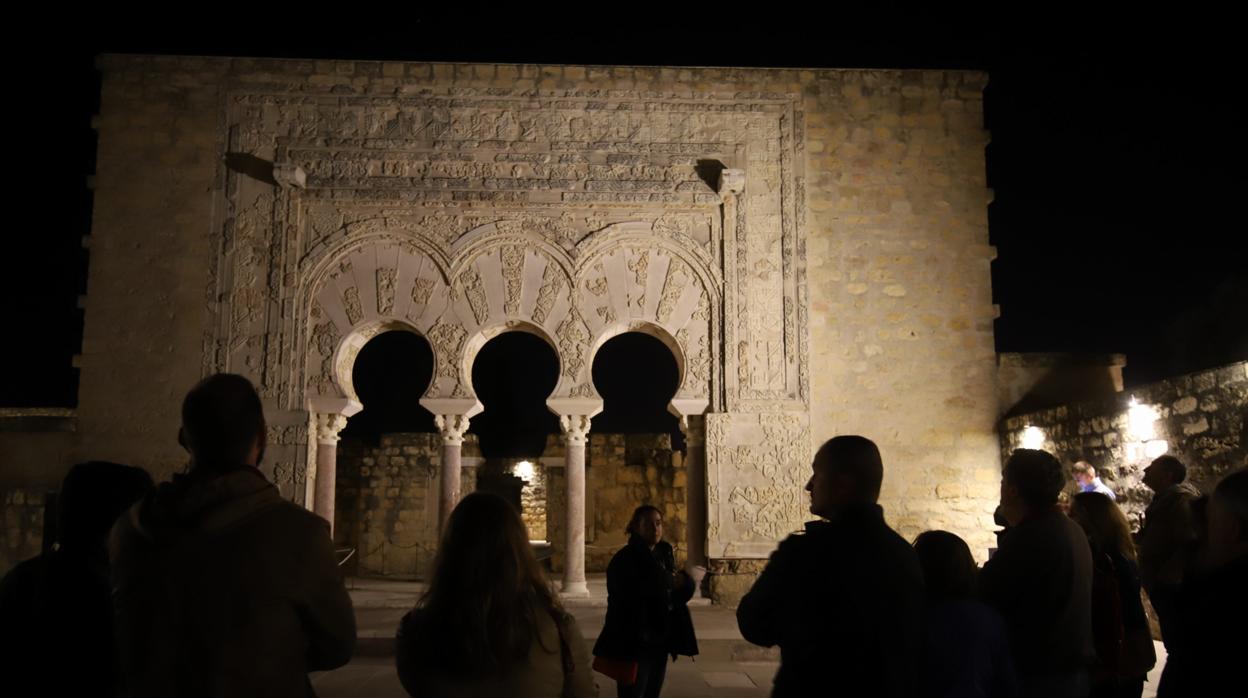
1104,523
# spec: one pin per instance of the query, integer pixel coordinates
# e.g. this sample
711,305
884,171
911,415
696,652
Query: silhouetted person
1040,580
647,616
1120,632
967,652
1086,479
490,624
1208,649
844,599
56,618
221,586
1167,538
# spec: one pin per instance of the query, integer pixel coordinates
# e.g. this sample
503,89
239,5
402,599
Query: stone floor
728,667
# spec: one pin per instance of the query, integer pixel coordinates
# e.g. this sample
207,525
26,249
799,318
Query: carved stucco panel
758,464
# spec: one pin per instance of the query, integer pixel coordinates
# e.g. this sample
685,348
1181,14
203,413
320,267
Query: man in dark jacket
844,600
1207,659
1167,538
1040,580
221,587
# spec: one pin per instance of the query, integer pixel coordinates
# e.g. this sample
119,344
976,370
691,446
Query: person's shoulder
290,519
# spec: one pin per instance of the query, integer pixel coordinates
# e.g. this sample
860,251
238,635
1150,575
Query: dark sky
1117,159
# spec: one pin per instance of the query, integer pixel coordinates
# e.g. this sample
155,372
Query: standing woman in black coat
647,616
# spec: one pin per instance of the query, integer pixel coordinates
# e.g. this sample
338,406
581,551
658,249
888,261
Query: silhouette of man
221,587
56,619
1040,580
844,599
1167,537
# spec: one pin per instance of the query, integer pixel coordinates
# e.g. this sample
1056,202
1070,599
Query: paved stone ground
728,667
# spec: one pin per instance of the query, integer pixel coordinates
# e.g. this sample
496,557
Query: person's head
92,496
1104,522
847,470
1228,517
1084,473
949,570
486,588
1164,472
1030,481
647,524
223,423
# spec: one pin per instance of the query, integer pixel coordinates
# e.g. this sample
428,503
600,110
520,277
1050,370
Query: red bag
623,671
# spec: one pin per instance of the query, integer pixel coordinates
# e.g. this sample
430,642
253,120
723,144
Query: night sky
1117,162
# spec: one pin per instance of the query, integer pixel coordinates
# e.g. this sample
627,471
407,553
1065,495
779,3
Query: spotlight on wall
1033,438
1156,448
524,470
1141,421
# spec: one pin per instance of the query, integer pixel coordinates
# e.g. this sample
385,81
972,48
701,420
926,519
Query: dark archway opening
513,375
637,376
391,373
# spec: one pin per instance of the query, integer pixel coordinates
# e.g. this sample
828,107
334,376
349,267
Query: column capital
575,427
328,426
452,427
694,428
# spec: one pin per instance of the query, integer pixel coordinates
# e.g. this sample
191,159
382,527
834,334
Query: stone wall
23,515
387,507
533,503
622,472
849,266
1197,417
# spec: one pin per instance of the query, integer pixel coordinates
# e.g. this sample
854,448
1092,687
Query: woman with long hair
1124,645
489,623
647,616
967,650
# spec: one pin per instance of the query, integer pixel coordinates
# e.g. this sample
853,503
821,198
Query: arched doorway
512,375
386,490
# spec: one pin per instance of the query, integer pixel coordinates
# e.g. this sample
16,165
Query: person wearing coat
221,587
647,613
490,624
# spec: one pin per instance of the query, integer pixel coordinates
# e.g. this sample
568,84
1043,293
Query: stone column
694,429
328,426
575,433
452,428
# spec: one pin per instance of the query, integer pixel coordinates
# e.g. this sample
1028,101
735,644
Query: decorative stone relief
762,462
448,345
573,336
435,165
470,280
640,266
452,427
421,289
385,290
328,426
575,427
697,360
513,270
673,286
351,303
582,390
552,285
324,339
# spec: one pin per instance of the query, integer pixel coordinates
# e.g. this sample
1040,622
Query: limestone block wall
1198,418
387,506
623,471
845,271
533,503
